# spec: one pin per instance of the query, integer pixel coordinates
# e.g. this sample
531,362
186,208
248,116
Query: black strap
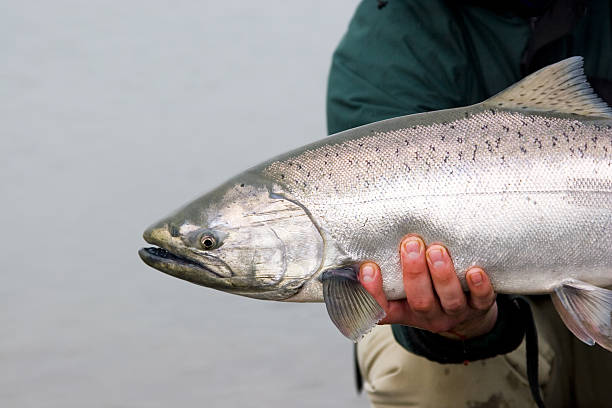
602,87
557,22
358,377
531,343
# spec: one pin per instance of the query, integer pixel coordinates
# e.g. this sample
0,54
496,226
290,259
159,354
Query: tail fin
586,310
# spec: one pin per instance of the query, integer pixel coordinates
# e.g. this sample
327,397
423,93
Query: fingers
482,295
434,300
371,280
398,312
417,283
445,280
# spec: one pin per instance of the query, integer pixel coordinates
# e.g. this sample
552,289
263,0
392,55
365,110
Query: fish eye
208,241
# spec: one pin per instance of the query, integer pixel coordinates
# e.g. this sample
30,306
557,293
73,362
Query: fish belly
527,197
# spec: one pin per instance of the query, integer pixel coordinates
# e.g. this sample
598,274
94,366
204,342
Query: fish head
240,238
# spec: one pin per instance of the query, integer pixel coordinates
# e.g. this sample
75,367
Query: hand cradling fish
520,184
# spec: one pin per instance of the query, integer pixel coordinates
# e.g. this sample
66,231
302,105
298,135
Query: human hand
435,300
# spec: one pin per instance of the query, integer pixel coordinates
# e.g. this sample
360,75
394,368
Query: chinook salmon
520,184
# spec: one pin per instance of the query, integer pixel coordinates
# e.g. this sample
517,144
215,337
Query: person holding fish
496,150
441,346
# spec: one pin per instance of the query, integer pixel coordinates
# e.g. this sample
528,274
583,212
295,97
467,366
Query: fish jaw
166,256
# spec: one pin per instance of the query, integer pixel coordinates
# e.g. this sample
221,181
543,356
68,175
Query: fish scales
497,187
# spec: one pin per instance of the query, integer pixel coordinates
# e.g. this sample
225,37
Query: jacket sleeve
506,335
410,57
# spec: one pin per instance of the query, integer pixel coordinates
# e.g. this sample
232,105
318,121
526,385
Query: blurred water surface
111,115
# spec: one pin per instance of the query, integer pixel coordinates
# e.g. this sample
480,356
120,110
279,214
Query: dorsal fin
560,88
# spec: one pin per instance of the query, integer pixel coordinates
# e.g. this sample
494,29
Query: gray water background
111,115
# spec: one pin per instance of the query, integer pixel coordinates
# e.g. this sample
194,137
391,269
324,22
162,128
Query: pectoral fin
586,310
352,309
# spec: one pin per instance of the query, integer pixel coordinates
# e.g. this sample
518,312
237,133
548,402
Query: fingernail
436,257
367,273
413,248
476,278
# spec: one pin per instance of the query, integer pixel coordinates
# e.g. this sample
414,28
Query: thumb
371,279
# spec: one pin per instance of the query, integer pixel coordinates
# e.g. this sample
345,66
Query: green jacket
414,56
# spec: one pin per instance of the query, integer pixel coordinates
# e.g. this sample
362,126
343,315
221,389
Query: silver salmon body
520,185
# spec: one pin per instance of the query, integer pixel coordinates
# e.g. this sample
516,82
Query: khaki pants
571,373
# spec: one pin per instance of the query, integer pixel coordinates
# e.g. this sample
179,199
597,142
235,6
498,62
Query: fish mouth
174,265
